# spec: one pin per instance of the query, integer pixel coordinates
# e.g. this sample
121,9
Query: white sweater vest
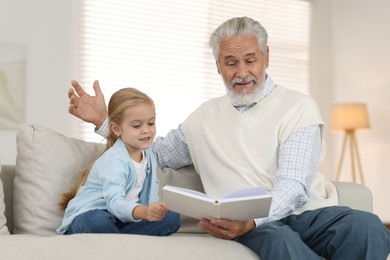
232,150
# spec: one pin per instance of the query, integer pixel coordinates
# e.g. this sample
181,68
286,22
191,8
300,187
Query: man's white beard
244,98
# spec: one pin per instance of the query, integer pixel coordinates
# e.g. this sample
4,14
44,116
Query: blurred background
335,50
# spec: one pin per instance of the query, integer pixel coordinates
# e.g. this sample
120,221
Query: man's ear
115,129
267,57
218,69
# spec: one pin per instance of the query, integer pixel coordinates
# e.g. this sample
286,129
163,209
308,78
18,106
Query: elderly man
260,134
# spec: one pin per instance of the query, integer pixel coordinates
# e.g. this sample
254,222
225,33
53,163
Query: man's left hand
226,229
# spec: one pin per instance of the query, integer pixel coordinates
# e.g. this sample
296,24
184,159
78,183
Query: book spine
217,209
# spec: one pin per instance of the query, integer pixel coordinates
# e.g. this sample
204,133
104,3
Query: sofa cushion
3,221
185,177
122,247
46,162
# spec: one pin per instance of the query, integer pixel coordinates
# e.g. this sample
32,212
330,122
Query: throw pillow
46,163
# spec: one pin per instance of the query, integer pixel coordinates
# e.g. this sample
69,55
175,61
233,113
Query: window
161,48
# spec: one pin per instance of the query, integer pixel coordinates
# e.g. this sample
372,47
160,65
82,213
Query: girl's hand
154,212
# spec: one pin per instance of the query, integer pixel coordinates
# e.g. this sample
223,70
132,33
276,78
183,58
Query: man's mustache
244,80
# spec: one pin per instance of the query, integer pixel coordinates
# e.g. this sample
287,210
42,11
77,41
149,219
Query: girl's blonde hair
120,101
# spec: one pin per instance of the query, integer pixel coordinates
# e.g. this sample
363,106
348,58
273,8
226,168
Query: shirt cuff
103,130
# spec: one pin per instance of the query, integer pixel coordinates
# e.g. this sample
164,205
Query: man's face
242,65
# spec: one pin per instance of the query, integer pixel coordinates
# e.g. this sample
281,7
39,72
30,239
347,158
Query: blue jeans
101,221
330,232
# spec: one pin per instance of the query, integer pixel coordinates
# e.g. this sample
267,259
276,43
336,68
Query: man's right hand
91,109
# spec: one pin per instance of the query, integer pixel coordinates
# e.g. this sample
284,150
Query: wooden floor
388,226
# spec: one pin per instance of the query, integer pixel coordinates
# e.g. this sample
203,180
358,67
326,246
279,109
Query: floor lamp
350,117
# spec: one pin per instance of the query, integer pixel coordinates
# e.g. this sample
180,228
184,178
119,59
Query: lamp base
355,158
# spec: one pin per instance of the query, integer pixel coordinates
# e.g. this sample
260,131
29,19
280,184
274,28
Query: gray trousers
330,232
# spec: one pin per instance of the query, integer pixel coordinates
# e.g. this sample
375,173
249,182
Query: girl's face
137,129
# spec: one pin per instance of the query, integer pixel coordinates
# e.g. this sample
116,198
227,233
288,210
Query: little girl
118,193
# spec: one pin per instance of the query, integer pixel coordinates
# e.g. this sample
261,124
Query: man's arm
104,129
298,163
299,159
172,150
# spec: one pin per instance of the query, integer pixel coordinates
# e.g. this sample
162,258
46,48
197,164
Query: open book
243,204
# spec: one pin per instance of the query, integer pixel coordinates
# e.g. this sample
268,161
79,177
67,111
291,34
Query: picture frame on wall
12,85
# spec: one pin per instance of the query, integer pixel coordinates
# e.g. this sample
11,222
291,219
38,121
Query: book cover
243,204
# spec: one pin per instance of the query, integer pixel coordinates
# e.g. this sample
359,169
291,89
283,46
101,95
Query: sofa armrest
354,195
7,177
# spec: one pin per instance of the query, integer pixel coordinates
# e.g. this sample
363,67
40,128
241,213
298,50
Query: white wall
350,63
320,66
45,28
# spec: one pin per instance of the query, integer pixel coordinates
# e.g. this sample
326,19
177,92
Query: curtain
161,48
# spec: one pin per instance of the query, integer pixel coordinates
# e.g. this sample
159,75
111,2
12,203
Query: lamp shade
349,116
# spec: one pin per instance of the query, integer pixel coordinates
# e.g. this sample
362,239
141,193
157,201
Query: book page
188,192
248,192
244,210
195,206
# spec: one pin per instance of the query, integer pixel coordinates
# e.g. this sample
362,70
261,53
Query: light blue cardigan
111,179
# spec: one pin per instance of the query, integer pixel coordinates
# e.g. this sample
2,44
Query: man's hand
226,229
91,109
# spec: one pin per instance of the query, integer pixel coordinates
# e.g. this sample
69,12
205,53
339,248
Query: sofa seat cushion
111,246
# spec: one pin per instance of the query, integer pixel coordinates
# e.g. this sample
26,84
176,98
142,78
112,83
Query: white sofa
45,164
